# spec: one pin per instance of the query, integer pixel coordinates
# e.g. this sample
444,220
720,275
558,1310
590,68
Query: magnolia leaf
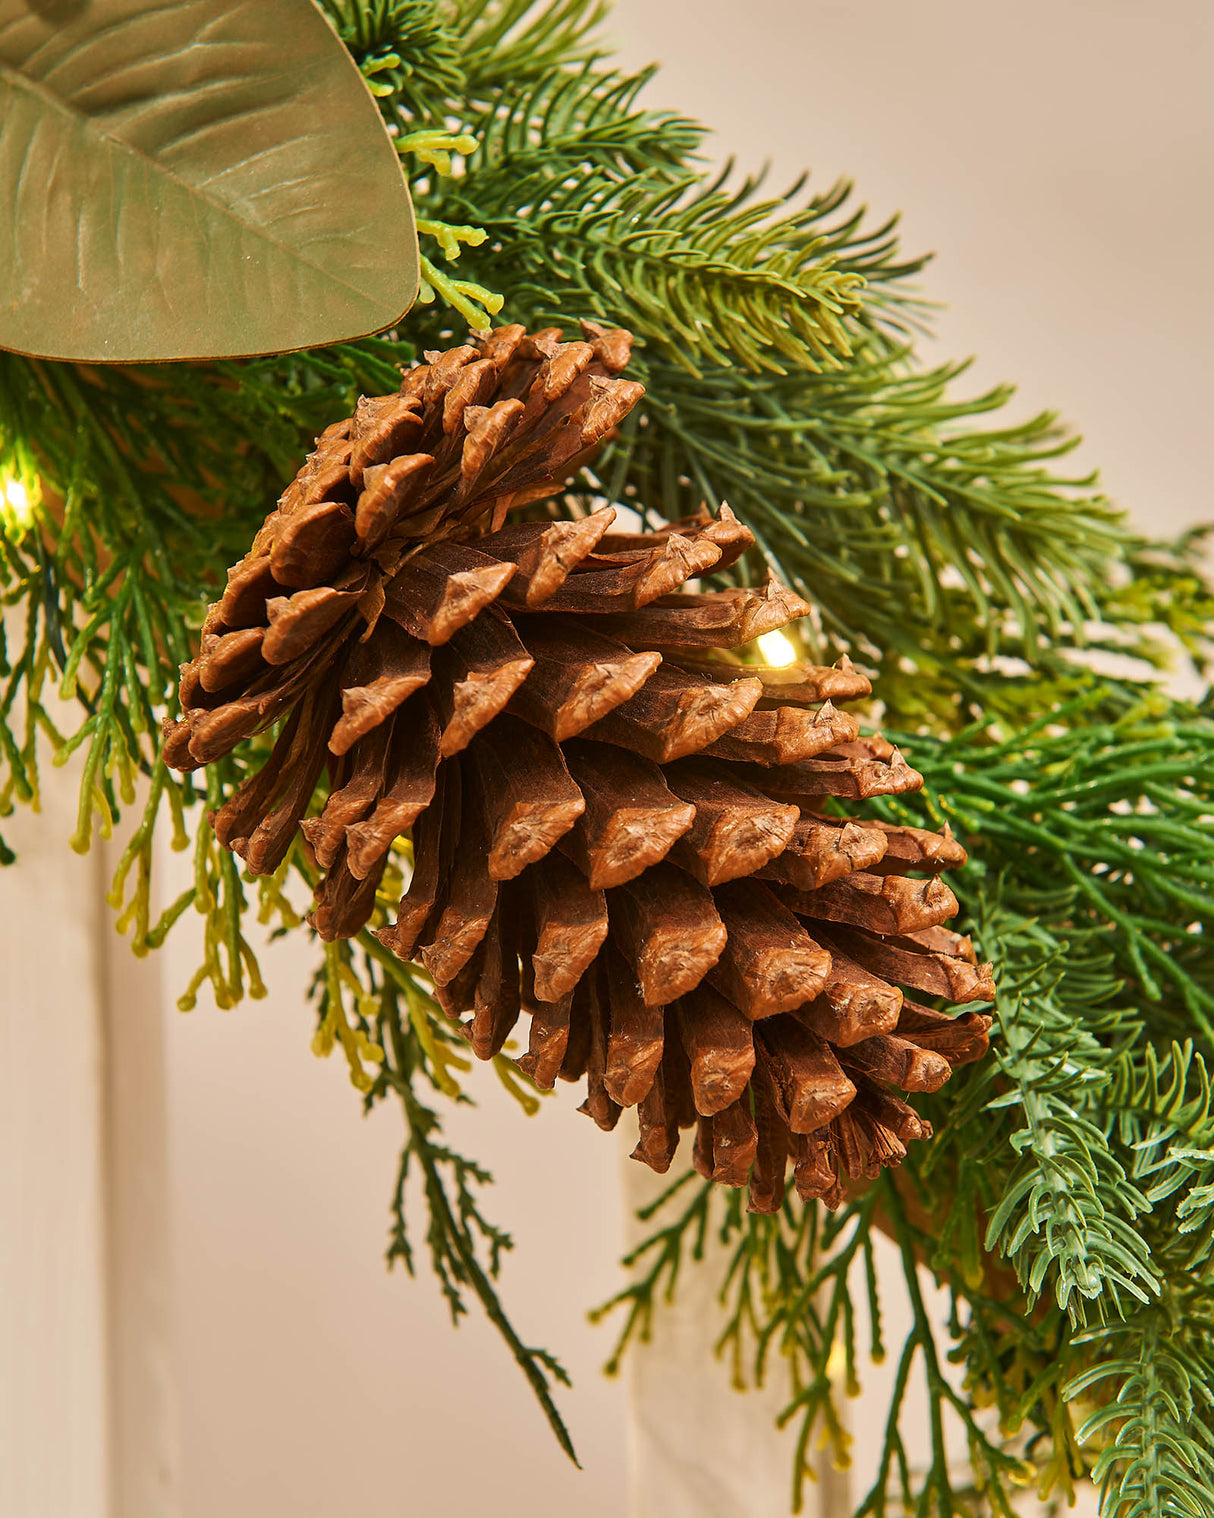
192,179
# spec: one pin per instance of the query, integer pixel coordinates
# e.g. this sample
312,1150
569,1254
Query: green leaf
200,179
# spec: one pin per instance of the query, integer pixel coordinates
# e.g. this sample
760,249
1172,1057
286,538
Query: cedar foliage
949,552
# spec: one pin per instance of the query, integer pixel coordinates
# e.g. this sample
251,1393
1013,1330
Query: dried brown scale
632,819
637,1035
622,827
770,964
824,849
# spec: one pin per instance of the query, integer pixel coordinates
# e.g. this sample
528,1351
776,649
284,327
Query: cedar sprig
410,59
113,573
790,1308
465,1248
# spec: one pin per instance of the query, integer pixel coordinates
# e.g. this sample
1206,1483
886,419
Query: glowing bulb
18,508
777,649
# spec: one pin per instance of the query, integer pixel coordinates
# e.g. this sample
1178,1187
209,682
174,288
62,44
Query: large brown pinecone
617,825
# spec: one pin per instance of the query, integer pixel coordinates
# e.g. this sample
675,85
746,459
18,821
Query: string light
17,506
777,649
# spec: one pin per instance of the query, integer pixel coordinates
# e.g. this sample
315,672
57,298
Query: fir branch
957,526
551,127
1157,1412
874,480
1162,1108
565,156
1068,1213
404,49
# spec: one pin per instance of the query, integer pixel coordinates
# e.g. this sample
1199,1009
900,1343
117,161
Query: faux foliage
246,202
1011,620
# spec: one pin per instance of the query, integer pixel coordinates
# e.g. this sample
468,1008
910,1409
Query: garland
983,588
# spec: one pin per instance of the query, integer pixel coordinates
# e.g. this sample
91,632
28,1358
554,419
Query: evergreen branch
662,1254
579,192
1068,1210
1153,1373
874,479
456,1225
405,50
549,129
692,263
114,573
566,160
518,39
1081,1152
786,1299
946,550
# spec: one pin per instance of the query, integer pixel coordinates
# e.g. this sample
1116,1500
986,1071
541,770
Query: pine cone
617,825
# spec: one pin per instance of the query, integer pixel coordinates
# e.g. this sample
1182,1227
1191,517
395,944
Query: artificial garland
974,585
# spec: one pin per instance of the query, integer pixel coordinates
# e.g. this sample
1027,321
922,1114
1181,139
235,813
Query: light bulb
18,508
777,649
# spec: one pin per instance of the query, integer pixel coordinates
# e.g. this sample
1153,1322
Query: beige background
1058,155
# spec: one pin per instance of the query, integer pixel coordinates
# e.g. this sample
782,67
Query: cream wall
1058,155
312,1382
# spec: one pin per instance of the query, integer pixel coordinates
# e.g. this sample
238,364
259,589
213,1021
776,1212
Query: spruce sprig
875,491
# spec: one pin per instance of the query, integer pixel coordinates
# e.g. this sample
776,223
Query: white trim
86,1400
54,1429
142,1381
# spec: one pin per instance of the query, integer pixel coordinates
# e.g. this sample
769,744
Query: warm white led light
16,508
777,649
